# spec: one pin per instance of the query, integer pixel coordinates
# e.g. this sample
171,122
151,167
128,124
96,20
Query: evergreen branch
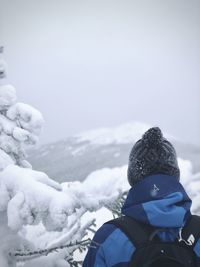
115,207
45,252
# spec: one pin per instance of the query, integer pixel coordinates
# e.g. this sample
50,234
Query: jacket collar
159,200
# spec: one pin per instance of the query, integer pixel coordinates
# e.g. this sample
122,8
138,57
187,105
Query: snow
5,160
106,182
123,134
20,126
10,243
21,134
31,196
28,117
7,96
78,151
186,171
53,260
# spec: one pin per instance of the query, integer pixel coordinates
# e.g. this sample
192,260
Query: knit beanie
153,154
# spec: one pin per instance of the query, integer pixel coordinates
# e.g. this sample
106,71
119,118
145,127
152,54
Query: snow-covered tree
32,204
27,197
20,124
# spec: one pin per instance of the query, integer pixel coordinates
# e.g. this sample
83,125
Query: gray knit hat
153,154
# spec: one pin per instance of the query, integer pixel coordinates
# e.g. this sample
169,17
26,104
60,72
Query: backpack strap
190,233
137,232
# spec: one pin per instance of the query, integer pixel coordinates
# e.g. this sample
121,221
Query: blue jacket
159,200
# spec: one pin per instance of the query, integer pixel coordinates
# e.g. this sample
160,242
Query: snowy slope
76,157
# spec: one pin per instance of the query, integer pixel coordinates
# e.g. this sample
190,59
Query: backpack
152,252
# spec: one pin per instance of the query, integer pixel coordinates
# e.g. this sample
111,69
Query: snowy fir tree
41,221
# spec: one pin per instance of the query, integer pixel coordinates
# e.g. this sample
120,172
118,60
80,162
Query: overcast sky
87,64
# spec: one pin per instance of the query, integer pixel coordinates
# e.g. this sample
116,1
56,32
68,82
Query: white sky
87,64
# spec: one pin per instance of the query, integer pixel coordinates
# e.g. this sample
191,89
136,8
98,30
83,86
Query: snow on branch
27,255
30,196
20,126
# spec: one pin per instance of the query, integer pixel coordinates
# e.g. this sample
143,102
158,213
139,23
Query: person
156,199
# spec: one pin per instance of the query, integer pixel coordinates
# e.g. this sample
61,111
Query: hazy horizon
91,64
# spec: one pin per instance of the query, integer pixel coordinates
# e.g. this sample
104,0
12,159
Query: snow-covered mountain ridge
76,157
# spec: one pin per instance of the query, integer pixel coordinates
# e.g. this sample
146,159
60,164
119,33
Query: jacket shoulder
116,246
104,232
110,247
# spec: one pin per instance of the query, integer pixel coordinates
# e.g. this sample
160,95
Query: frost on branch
30,198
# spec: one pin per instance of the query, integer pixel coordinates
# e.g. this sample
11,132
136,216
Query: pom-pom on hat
153,154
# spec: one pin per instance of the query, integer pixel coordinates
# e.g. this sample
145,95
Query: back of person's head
152,154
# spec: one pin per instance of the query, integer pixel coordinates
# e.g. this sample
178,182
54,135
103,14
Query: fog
88,64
